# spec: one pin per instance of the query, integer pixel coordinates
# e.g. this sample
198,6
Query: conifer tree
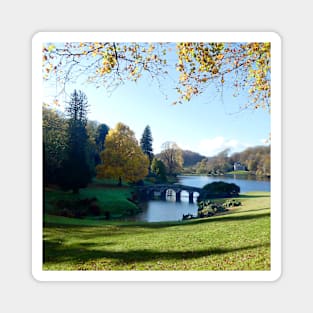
146,143
75,172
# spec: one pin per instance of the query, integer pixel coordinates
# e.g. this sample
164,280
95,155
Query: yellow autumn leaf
51,48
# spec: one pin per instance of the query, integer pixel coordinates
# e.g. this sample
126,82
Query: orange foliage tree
122,158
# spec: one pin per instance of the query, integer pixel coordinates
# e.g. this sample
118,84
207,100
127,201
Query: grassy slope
236,241
109,197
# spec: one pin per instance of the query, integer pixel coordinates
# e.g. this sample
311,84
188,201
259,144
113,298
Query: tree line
255,160
76,150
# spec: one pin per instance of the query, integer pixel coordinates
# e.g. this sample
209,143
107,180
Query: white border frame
37,162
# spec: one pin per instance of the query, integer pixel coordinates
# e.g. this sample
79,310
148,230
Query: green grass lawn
239,240
109,196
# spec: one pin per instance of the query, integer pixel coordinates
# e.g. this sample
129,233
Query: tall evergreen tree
75,172
101,132
146,143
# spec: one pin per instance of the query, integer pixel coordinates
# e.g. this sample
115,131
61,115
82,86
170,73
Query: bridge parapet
148,191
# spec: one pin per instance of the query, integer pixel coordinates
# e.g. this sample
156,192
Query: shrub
231,203
220,189
209,208
107,215
78,208
94,209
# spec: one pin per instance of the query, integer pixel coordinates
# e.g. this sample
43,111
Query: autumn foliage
242,66
122,158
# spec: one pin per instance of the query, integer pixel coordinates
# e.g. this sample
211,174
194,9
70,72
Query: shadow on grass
54,252
239,210
217,218
254,196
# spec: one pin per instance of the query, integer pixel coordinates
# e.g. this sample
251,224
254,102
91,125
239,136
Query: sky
207,124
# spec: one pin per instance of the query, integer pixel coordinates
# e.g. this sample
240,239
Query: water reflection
184,196
169,210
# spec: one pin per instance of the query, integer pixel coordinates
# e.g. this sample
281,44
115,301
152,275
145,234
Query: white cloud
212,146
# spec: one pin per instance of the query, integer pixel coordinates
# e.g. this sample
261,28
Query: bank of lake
115,202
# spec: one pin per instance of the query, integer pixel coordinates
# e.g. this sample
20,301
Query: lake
245,182
170,210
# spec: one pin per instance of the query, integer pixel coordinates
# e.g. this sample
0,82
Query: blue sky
208,124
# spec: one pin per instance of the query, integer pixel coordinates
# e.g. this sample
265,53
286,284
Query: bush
78,208
208,208
94,209
220,189
231,203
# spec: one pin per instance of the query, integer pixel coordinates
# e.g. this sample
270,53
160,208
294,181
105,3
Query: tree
257,160
244,67
146,143
101,132
75,172
54,143
122,158
265,167
220,189
171,155
91,147
251,165
202,166
158,168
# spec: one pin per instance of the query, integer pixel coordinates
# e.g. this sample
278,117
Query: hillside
190,158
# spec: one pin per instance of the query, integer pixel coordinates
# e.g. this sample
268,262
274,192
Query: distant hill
191,158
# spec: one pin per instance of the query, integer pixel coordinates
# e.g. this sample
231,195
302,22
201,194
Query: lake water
170,210
245,182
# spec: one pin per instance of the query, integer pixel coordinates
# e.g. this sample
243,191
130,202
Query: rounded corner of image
276,37
276,275
37,36
37,276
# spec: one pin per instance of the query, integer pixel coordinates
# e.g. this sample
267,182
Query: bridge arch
189,195
171,192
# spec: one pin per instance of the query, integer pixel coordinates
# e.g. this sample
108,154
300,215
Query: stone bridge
147,192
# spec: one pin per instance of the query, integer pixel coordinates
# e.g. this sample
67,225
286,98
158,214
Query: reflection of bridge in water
148,192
